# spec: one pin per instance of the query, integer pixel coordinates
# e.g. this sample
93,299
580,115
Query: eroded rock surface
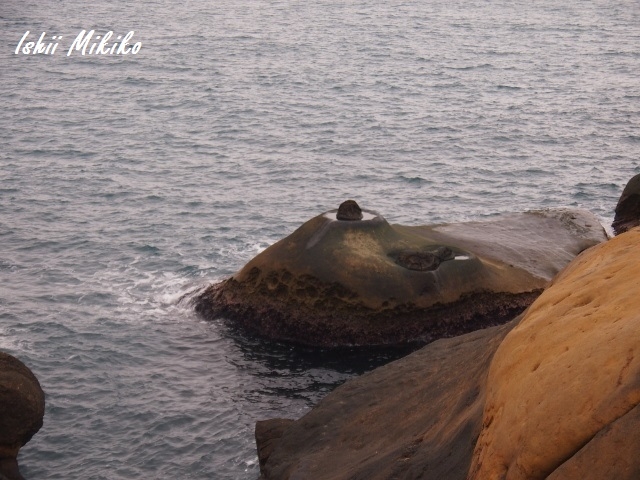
564,385
335,282
21,412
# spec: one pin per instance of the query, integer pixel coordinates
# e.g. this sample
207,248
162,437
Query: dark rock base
416,418
352,324
21,412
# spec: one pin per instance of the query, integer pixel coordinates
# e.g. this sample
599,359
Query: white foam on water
11,343
245,252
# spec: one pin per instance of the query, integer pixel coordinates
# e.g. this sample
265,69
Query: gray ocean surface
129,182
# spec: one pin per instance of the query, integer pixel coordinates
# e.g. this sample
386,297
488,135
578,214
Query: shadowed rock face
366,282
628,209
21,412
564,386
416,418
612,453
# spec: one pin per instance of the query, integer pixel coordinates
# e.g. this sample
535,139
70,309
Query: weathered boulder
21,412
334,282
418,417
628,209
564,385
349,211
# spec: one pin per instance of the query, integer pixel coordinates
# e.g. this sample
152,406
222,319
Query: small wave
188,298
8,342
455,84
413,180
471,67
148,249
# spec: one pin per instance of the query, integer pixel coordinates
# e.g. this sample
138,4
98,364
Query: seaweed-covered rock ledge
347,277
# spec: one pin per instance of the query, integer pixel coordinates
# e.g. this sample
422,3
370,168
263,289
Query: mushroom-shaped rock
349,211
367,282
21,412
628,209
563,390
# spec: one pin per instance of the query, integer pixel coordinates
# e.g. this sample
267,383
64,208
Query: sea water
129,182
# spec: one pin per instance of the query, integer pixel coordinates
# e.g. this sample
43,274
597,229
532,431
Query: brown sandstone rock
349,210
371,283
21,412
416,418
564,385
611,454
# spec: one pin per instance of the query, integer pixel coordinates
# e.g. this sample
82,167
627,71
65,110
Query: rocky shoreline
554,393
551,393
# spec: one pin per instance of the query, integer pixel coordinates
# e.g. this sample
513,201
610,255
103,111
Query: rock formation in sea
364,281
21,412
628,209
553,394
349,210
